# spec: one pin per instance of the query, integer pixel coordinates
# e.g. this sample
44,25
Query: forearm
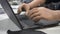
57,14
35,3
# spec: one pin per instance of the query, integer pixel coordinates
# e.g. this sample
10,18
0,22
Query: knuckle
19,9
34,9
42,8
36,18
24,3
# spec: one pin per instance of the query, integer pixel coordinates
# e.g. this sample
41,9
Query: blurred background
14,4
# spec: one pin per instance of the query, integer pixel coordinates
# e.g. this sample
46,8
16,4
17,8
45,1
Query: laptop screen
10,12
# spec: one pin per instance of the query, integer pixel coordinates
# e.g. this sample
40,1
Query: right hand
24,6
37,14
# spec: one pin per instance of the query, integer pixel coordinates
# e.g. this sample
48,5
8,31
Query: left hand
41,13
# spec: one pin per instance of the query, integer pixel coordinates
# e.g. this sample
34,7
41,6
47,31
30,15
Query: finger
34,9
18,12
34,15
27,8
32,12
37,18
26,13
19,9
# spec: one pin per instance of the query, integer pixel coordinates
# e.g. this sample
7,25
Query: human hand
37,14
24,6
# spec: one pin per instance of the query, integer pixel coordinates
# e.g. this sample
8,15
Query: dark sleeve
26,1
49,1
53,6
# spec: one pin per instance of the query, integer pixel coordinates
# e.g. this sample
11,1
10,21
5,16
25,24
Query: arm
35,3
57,14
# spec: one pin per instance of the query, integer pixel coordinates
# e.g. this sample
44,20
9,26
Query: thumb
19,10
27,11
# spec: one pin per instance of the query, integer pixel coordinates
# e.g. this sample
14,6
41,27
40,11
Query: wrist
30,5
57,15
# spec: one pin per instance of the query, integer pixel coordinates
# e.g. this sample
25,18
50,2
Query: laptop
22,21
17,19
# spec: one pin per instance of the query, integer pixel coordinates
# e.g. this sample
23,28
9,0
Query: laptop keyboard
26,20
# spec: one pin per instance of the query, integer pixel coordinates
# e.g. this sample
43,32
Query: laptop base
25,31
